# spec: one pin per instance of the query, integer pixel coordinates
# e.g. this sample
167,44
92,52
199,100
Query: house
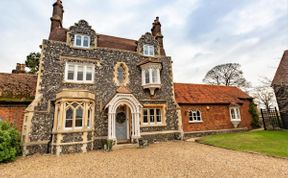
280,86
92,87
207,109
16,93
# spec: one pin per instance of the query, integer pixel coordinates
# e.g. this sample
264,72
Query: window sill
195,122
235,120
77,82
157,125
75,130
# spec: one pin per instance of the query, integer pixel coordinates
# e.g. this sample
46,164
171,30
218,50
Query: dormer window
82,41
151,76
148,50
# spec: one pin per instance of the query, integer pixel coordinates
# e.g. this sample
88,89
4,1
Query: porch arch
135,107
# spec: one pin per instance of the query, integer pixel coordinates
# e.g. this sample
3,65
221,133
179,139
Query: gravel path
169,159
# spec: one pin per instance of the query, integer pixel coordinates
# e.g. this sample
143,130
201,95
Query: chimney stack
20,68
156,32
57,15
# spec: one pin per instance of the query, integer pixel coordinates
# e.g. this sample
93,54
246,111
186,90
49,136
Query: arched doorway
123,124
123,118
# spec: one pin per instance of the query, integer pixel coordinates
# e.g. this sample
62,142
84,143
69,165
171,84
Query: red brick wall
13,114
215,118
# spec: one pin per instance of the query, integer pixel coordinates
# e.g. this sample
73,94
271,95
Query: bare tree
228,74
264,94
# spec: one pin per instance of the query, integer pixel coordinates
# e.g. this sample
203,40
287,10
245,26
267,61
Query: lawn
273,143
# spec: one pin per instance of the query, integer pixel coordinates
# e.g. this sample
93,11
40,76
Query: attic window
148,50
82,41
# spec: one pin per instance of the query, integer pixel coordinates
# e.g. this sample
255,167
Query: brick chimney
20,68
156,32
57,15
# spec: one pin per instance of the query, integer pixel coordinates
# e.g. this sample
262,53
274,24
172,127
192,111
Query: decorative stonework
82,28
121,74
148,39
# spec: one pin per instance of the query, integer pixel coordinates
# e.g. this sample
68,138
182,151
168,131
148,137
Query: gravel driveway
169,159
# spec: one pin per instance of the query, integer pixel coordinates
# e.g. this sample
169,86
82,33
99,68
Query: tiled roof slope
104,41
208,94
281,75
17,87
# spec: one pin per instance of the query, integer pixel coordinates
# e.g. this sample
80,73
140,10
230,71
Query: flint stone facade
40,131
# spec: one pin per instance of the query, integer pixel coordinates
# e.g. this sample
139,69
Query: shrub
10,142
255,117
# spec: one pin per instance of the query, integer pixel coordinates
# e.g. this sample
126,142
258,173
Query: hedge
10,142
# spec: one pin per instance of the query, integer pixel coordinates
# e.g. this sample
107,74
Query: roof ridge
204,84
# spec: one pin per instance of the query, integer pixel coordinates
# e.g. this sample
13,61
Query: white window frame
150,79
149,49
193,119
82,41
85,71
237,113
155,123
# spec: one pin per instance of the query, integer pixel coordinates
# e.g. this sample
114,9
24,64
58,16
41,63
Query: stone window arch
121,74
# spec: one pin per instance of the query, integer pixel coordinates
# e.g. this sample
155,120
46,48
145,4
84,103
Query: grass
273,143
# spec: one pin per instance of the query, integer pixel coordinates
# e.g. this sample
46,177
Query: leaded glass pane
86,41
69,118
80,73
79,117
78,40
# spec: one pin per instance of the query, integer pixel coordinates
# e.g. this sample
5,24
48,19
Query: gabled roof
281,75
17,87
208,94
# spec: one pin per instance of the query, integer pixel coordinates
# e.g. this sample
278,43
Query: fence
271,119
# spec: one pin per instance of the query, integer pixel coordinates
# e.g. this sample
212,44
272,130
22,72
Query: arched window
74,115
79,117
195,116
120,75
69,118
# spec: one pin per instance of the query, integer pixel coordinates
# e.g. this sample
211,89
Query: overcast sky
198,34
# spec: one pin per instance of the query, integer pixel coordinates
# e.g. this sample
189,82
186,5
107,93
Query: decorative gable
148,39
82,28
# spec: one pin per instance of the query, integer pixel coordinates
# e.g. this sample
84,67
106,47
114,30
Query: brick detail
13,114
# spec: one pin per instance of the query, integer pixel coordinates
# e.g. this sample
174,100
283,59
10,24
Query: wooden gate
271,119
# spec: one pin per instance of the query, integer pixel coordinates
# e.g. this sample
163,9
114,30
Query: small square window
195,116
148,50
82,41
